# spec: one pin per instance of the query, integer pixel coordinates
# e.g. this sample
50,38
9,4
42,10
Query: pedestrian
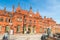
5,37
43,37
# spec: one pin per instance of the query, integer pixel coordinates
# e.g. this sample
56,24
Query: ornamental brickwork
24,22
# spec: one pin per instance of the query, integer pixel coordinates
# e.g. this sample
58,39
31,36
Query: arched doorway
18,29
7,28
29,29
34,29
24,29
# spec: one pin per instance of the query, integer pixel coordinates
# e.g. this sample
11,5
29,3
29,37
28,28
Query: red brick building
23,21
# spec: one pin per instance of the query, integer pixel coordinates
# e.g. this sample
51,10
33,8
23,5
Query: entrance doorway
7,28
24,29
18,29
34,29
29,29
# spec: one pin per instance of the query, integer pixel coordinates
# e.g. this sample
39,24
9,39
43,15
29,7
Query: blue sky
48,8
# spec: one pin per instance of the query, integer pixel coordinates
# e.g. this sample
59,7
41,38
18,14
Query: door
7,28
29,29
24,29
18,29
34,29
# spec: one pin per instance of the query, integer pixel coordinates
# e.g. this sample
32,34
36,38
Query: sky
48,8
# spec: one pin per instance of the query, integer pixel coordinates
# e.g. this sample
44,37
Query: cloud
52,9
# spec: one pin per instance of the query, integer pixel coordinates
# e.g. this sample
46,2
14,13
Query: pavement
24,37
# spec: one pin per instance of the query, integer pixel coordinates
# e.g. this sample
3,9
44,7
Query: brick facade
23,21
